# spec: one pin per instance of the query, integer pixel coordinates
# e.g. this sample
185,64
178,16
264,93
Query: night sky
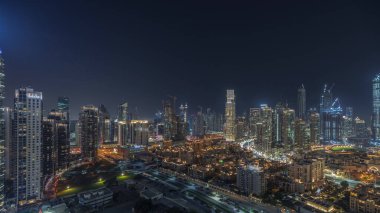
111,51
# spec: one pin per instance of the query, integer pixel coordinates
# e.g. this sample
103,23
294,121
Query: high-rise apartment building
230,116
139,132
254,118
301,140
27,143
264,129
314,126
61,140
89,132
251,180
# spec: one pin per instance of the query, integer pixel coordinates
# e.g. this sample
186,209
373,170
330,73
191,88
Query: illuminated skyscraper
376,108
300,135
123,112
348,124
230,116
331,117
63,105
89,133
27,142
283,126
314,127
264,130
301,103
183,115
61,140
2,132
170,128
139,132
332,122
324,106
241,127
254,117
121,126
103,118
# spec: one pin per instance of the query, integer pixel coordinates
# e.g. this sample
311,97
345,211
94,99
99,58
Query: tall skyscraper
324,106
174,128
121,125
103,117
314,127
348,124
8,118
183,109
2,132
265,130
63,105
61,138
376,107
301,103
332,122
138,132
254,117
199,124
89,133
283,126
27,142
300,139
49,148
230,116
123,112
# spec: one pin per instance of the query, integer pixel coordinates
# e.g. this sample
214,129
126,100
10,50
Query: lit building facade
314,127
376,107
324,107
307,174
139,132
254,118
2,132
230,116
264,128
27,142
251,180
301,139
89,133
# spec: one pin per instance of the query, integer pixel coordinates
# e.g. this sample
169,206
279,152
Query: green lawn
344,148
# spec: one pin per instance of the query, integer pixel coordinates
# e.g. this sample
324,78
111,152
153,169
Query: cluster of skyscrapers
34,146
282,129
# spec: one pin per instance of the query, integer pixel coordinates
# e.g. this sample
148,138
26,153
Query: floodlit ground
90,177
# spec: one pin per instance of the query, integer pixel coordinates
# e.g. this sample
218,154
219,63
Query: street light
67,187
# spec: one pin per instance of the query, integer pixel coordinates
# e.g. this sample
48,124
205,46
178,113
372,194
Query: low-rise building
95,198
151,194
365,199
307,174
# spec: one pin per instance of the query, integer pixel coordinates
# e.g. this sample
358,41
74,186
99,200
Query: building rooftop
92,194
